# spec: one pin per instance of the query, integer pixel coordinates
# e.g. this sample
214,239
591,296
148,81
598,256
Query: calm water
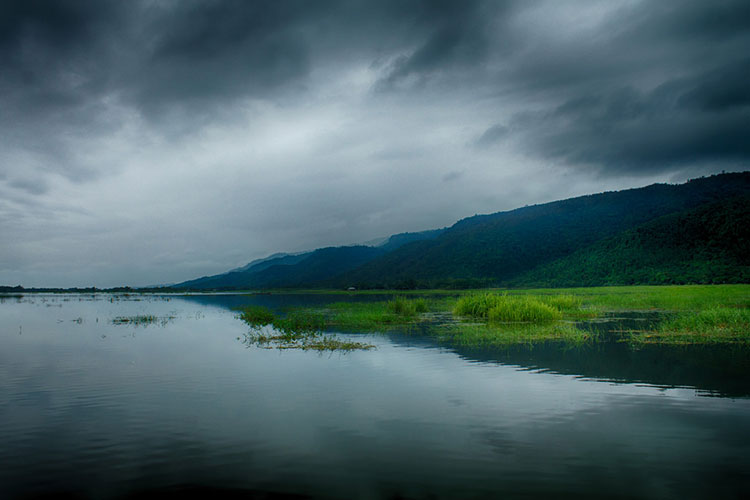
94,409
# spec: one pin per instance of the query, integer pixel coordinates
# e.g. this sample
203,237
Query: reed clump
507,308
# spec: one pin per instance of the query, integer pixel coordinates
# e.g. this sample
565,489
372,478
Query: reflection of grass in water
494,334
713,325
306,341
142,320
299,329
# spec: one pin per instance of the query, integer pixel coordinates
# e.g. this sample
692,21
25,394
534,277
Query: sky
149,142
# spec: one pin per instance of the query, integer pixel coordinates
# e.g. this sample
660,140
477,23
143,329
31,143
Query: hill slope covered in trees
691,232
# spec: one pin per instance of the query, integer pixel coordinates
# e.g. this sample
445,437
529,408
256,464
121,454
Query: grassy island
700,314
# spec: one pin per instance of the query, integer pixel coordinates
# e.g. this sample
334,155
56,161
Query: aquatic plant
256,315
299,322
406,307
712,325
307,340
142,320
494,334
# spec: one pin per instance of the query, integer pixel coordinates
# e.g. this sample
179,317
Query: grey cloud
147,101
453,175
492,135
683,121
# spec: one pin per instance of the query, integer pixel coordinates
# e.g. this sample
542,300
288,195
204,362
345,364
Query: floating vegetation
142,320
710,326
300,322
270,338
256,315
299,329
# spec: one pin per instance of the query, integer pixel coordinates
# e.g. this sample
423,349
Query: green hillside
656,234
496,248
709,244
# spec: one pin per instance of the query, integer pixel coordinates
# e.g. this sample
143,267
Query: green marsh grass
257,315
702,313
142,320
504,307
490,334
300,321
712,325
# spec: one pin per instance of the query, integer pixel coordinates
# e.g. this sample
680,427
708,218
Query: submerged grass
310,340
299,329
142,320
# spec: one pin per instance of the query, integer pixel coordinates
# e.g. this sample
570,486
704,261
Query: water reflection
186,408
717,370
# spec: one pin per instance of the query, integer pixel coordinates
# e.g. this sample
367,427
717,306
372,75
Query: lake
92,408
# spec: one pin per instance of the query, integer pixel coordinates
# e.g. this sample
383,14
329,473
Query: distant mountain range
696,232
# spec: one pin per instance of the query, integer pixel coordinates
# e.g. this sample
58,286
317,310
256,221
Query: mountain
237,278
259,264
285,270
490,249
629,236
705,245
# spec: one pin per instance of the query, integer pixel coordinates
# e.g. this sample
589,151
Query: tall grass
405,307
509,308
712,325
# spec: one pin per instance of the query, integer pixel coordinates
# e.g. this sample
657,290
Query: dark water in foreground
92,409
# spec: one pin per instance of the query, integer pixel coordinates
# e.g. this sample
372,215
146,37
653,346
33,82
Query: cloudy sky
146,142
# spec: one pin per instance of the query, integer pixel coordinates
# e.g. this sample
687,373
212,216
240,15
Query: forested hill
710,244
490,249
630,236
303,269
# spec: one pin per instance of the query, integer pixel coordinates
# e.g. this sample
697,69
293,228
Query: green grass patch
369,316
522,309
710,326
306,340
668,298
490,334
257,315
505,307
300,322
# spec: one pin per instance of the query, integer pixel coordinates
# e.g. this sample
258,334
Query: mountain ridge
489,249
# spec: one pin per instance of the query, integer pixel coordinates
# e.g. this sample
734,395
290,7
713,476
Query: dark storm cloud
614,103
682,121
327,122
62,59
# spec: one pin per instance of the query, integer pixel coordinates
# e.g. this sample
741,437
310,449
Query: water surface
95,409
